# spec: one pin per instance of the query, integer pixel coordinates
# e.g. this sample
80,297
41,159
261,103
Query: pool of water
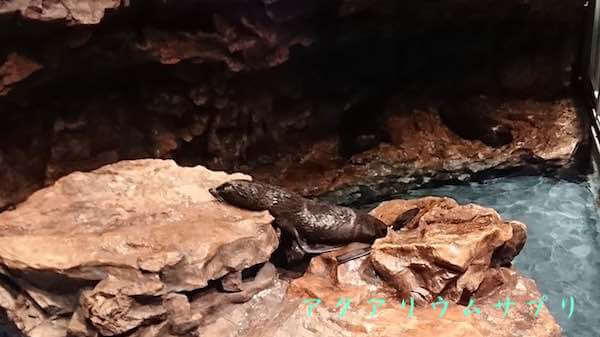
562,253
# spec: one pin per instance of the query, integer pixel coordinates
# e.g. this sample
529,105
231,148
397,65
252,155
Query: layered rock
112,244
264,87
73,12
422,149
395,317
446,249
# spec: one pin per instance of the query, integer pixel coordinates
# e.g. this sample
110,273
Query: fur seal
472,119
316,227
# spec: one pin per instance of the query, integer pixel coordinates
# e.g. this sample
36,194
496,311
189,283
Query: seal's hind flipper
404,218
317,248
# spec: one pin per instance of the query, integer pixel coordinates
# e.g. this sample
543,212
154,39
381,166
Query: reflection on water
562,252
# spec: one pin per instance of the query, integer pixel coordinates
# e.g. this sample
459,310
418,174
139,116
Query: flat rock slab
142,228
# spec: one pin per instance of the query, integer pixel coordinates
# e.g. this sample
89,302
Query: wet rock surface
547,137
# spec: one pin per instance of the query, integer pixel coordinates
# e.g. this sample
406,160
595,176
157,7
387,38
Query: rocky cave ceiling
313,95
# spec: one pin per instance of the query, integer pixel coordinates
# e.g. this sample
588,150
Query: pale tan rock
26,316
181,320
156,330
136,215
111,246
448,253
112,308
50,328
72,11
79,326
142,228
504,255
251,318
212,300
20,310
51,303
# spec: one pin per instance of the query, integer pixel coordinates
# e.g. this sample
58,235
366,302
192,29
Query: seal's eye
228,188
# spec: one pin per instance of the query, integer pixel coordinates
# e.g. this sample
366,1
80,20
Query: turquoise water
562,253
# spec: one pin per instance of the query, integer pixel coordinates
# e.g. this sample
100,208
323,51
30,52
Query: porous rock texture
111,246
129,249
395,318
269,88
447,249
283,309
73,12
548,137
453,237
468,235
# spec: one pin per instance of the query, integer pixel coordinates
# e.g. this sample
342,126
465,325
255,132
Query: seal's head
241,193
372,227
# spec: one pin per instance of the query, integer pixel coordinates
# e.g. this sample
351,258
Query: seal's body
317,227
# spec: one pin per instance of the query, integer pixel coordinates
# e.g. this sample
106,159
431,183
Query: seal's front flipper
353,255
317,248
312,248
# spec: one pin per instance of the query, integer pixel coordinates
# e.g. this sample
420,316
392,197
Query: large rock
129,231
447,249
